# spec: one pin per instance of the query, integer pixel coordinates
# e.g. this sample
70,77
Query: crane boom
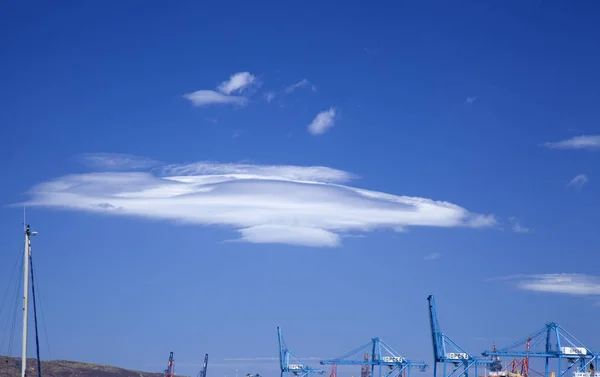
202,373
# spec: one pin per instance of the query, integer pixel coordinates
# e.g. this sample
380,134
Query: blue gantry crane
382,355
202,373
446,351
553,342
170,371
295,366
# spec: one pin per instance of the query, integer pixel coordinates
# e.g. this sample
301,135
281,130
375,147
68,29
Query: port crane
382,355
202,373
514,368
296,367
553,342
170,371
457,357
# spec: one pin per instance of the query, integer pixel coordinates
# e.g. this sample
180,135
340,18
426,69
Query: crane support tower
553,342
382,355
448,352
202,373
296,367
170,371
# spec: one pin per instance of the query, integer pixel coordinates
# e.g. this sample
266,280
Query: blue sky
197,174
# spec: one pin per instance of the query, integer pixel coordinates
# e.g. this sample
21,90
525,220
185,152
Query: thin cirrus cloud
433,256
115,161
297,205
237,83
270,95
302,83
517,227
576,142
322,122
563,283
578,181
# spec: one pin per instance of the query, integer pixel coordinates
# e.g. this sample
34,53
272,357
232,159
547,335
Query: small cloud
322,122
237,133
299,84
292,235
237,83
517,227
269,96
563,283
433,256
576,142
115,161
470,100
578,181
210,97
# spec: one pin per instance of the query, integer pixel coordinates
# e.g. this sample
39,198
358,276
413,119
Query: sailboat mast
27,253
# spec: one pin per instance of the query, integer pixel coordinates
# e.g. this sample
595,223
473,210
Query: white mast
27,253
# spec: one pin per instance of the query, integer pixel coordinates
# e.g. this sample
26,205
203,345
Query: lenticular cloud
266,204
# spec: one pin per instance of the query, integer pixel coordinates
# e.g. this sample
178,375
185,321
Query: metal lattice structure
456,362
553,342
381,355
170,371
295,366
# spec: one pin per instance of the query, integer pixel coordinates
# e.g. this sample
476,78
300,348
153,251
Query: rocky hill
11,367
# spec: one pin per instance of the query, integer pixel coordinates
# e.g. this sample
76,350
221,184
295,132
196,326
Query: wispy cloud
267,358
470,100
576,142
517,227
237,82
322,122
267,204
304,82
270,96
433,256
578,181
571,284
115,161
210,97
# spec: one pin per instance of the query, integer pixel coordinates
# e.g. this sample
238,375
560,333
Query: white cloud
237,83
433,256
571,284
116,161
293,235
470,99
578,181
269,96
270,204
322,122
517,227
210,97
577,142
299,84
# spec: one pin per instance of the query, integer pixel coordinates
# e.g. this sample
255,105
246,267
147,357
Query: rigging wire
37,340
10,283
39,299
